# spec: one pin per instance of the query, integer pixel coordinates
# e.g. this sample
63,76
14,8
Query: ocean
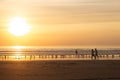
56,53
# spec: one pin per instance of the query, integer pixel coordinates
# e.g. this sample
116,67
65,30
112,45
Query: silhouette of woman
96,53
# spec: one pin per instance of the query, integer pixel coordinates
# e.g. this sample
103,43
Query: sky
62,22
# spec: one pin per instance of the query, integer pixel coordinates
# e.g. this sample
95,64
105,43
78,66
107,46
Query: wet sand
60,70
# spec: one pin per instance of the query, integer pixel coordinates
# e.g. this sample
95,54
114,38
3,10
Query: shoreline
56,60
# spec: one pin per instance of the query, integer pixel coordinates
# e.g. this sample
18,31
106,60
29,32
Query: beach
60,70
59,40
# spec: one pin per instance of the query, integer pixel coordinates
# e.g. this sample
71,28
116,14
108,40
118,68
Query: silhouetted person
92,54
96,53
5,57
76,52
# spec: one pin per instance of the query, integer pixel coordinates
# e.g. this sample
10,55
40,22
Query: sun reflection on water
18,51
18,47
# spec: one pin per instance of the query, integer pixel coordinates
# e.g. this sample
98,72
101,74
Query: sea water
55,53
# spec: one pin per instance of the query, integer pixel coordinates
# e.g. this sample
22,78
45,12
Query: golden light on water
18,52
18,26
18,47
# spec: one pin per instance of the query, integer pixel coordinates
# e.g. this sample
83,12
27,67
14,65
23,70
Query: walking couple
94,53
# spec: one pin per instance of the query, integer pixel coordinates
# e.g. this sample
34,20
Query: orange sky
62,22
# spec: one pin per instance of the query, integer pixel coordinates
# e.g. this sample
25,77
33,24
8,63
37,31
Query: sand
60,70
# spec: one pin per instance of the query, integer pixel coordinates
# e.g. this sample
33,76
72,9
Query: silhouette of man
76,52
92,54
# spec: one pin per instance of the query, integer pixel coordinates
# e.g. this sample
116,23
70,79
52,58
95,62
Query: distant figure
92,54
5,57
76,52
96,53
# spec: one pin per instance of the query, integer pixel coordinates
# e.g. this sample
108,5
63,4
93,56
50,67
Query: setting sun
18,26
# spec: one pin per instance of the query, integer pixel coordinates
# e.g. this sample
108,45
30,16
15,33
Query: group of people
94,53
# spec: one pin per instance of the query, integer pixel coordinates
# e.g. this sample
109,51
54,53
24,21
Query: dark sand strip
60,70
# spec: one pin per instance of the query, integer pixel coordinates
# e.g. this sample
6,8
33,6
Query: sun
18,26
